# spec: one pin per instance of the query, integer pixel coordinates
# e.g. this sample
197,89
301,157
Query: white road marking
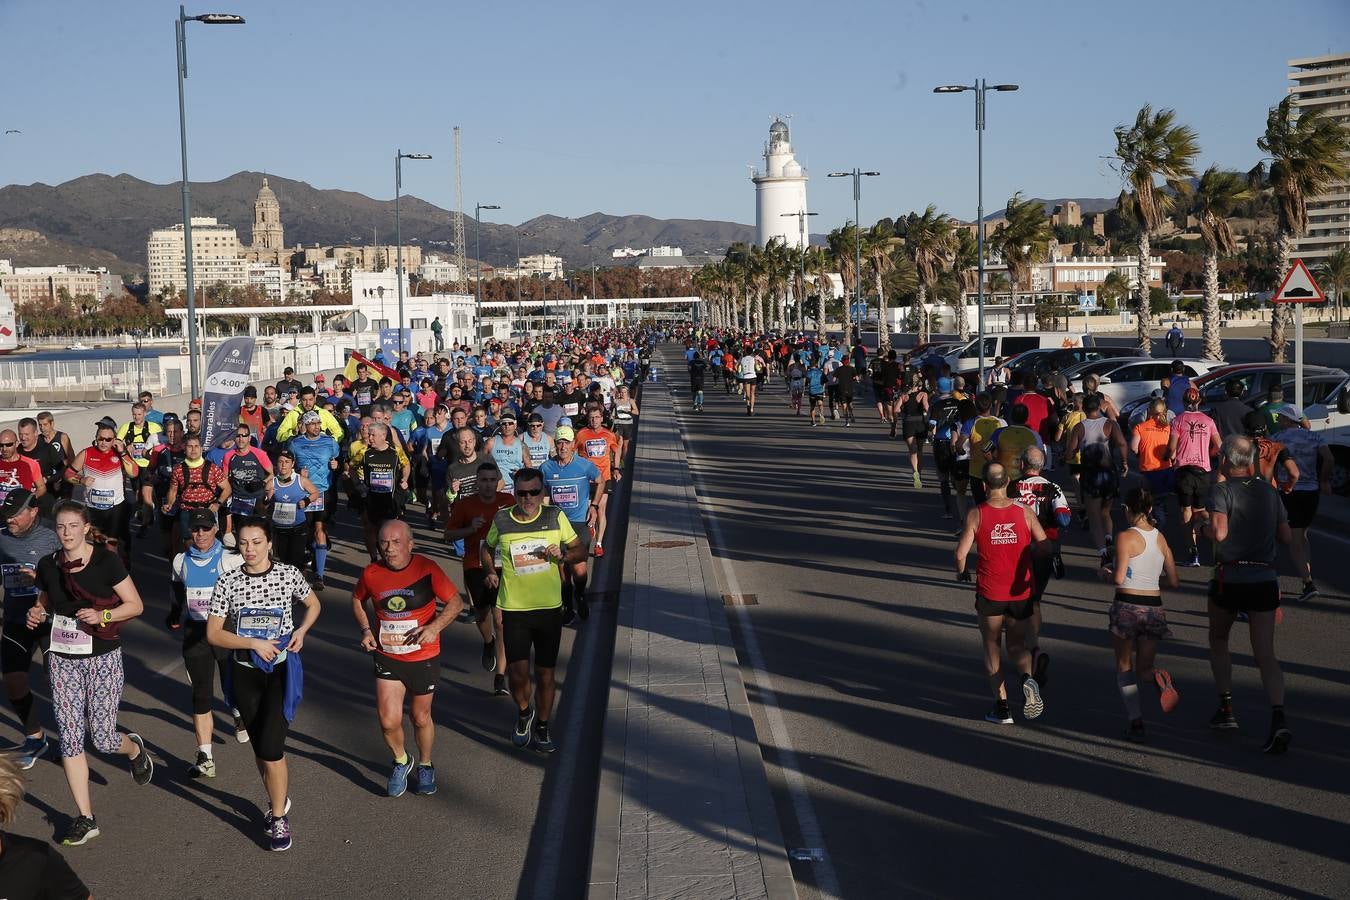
822,870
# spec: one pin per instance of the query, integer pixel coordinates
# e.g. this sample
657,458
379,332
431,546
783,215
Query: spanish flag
375,368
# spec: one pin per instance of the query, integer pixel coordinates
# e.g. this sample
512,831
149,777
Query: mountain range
104,220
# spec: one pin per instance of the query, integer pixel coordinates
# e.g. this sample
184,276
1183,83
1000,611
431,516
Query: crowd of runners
1236,481
508,452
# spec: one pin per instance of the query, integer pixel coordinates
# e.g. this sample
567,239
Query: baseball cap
535,417
1288,411
507,416
319,378
1192,395
310,416
565,433
1255,424
16,502
201,518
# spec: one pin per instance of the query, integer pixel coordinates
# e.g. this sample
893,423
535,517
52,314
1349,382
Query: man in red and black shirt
470,520
404,587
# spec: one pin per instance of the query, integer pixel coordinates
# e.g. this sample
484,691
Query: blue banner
389,344
227,374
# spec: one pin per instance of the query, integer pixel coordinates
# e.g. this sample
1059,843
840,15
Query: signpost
1298,288
1087,302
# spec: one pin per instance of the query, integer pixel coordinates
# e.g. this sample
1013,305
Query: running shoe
569,615
398,778
1223,719
319,586
543,741
279,834
1279,738
285,811
30,751
204,767
599,551
1136,733
1057,565
489,658
1309,592
424,780
1167,696
240,732
1031,693
524,721
1041,668
79,831
1000,714
583,607
142,766
499,686
1194,561
918,480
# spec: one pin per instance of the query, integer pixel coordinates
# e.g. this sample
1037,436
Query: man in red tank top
1005,534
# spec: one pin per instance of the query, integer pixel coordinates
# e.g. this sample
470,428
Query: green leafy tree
1023,242
1217,195
930,243
840,243
1334,273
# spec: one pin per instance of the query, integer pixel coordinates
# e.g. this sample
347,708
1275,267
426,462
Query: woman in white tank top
1137,621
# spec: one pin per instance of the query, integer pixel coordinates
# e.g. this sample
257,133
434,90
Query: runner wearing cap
1302,495
317,459
538,442
1194,440
18,472
249,471
288,383
23,542
292,422
601,446
508,450
574,484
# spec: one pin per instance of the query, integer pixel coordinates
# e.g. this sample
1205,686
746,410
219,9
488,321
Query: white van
967,359
1332,416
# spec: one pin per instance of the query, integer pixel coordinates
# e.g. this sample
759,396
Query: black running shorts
418,677
537,628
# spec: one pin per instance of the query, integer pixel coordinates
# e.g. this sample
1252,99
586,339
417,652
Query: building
663,251
780,190
438,271
540,264
216,257
625,253
1078,274
1323,83
267,230
1067,214
273,280
28,284
680,261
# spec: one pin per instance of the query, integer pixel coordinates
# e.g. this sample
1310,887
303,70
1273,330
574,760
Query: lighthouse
780,190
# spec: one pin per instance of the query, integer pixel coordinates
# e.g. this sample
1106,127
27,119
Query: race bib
527,557
564,496
363,398
263,624
285,514
597,448
243,506
382,482
392,634
198,603
67,637
315,505
100,498
16,585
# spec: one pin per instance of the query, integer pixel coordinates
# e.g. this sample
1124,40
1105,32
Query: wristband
106,617
367,628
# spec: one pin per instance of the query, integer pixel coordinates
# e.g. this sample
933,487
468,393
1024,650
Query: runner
975,434
1242,509
1272,456
944,419
538,442
601,446
101,472
536,543
195,572
18,472
625,421
845,379
317,459
1137,620
470,521
404,587
250,473
698,367
290,495
815,389
1048,504
24,541
885,386
195,484
139,436
507,449
751,368
252,615
912,411
574,486
1098,440
379,476
85,591
1195,439
1150,442
1005,534
1301,496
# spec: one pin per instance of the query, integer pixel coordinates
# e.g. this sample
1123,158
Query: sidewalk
684,807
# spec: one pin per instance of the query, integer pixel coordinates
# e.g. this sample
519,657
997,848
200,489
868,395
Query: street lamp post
478,265
801,215
980,87
180,45
399,157
857,175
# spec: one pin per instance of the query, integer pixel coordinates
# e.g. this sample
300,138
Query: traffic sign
1298,286
1087,301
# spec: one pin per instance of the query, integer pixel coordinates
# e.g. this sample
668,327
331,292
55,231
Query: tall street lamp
399,157
801,215
980,87
180,45
857,175
478,265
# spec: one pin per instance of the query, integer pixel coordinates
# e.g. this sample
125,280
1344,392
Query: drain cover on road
665,545
740,599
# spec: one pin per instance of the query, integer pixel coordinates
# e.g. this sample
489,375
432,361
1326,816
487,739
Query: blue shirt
1176,394
154,415
569,485
314,455
815,381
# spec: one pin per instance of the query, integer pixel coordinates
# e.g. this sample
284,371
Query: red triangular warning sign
1298,286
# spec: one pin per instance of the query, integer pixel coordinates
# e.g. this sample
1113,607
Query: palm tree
1218,193
1153,147
1307,155
1023,242
817,269
737,274
1334,271
930,243
841,246
878,248
1114,287
965,265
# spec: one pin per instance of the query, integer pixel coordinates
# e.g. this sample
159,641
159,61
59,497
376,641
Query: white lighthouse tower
780,190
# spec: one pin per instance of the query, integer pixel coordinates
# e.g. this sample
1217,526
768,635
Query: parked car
1132,380
1042,360
966,359
1332,415
1258,378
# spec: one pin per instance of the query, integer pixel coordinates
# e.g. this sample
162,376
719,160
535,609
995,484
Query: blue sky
572,108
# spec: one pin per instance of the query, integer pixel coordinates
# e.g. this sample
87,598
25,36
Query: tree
840,242
1216,196
879,257
1307,155
1023,242
817,271
930,243
1112,290
1153,147
1334,272
966,267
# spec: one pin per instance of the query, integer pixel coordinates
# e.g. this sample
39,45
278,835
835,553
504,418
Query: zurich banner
227,374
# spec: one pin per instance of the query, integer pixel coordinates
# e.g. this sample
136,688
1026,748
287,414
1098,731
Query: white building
780,190
216,257
274,280
454,310
333,275
377,295
1323,83
440,271
28,284
1079,274
664,251
540,264
625,253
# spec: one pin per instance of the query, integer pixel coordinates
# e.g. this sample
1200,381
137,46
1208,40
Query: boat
78,346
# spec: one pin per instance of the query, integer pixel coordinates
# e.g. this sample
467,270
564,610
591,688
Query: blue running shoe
398,778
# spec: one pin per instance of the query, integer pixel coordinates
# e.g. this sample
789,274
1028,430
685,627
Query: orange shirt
1153,440
596,444
463,513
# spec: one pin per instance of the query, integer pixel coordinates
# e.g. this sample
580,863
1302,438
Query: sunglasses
100,440
198,529
532,492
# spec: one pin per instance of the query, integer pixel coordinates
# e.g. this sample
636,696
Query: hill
105,220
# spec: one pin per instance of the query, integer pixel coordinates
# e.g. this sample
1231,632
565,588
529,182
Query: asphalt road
504,823
875,662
